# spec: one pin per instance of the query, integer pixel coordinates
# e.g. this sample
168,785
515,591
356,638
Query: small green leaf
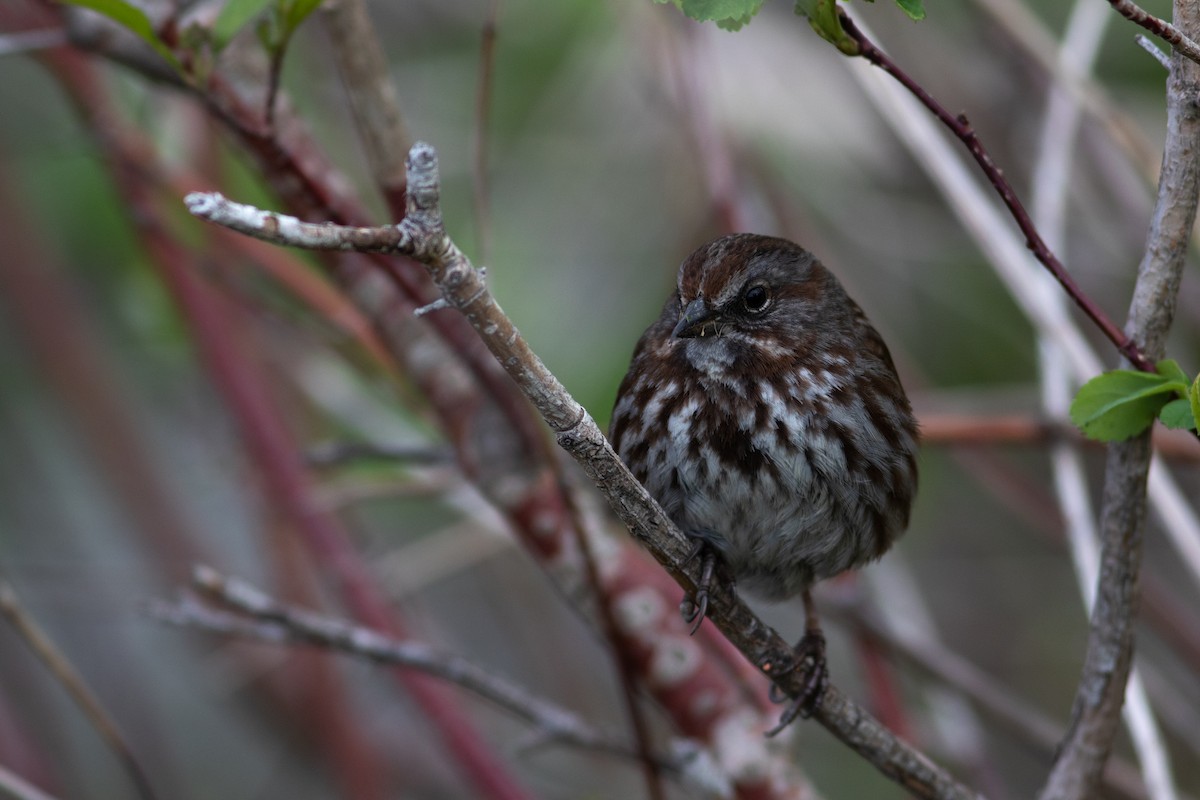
1169,368
234,16
914,8
728,14
1121,403
135,20
823,17
1178,414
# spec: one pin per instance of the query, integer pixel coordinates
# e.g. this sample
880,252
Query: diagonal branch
422,236
254,615
960,126
1183,44
66,674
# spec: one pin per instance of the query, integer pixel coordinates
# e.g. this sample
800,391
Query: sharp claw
810,656
699,609
695,606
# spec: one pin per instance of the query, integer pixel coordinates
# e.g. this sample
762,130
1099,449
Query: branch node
1151,48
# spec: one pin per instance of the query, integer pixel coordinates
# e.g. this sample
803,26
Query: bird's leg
810,656
695,606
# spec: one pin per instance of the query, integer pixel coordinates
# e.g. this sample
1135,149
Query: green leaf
728,14
823,17
234,16
1121,403
914,8
1178,414
133,19
1169,368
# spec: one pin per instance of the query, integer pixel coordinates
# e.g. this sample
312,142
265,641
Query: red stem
962,129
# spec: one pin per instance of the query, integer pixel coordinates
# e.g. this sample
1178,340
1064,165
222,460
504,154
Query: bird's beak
697,320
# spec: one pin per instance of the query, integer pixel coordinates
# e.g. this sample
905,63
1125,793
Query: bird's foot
695,606
810,657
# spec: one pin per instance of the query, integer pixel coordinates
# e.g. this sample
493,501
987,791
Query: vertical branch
1060,127
1100,695
372,95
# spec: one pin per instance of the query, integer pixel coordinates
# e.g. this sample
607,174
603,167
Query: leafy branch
1122,403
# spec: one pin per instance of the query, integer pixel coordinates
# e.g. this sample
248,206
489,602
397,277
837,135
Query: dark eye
756,298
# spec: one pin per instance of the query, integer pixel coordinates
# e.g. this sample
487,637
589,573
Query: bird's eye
756,298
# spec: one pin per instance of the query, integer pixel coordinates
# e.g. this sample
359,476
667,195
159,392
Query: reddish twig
1164,30
961,128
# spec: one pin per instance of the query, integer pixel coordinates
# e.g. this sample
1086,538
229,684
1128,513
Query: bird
764,413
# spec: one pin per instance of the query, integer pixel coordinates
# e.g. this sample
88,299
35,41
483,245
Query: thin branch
423,236
257,616
1101,691
73,682
1151,48
1164,30
961,128
1020,273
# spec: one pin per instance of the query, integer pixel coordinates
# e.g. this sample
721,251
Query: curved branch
422,236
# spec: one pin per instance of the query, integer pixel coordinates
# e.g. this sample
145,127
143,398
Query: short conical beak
697,320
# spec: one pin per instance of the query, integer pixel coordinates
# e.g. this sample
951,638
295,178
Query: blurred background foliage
600,182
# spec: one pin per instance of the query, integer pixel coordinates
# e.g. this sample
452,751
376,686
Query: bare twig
255,615
1183,44
1151,48
1101,691
73,682
962,129
422,236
